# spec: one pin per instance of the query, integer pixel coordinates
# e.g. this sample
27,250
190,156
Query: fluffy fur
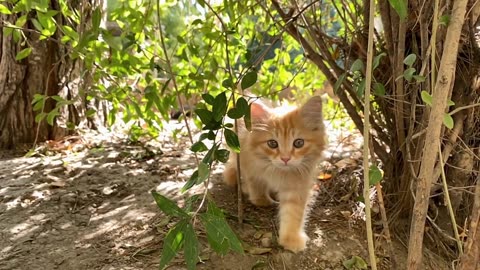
286,170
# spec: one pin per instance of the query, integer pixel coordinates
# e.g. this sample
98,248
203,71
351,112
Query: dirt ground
85,203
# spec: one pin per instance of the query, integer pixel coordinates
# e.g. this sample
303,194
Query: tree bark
446,76
49,71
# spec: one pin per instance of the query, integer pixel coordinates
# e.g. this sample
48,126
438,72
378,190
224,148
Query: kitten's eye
298,143
272,144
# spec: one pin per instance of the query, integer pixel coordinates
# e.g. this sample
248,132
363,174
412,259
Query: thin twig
449,202
366,136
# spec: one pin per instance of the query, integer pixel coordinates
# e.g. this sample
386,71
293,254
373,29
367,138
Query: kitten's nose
285,159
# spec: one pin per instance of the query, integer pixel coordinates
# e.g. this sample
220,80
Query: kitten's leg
230,173
258,192
292,218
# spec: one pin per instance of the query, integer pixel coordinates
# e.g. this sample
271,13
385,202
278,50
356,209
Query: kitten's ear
259,111
312,113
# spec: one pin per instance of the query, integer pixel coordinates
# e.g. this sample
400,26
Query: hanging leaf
357,65
23,54
203,172
379,89
339,82
232,140
400,6
190,247
376,60
375,175
173,242
198,147
249,79
191,181
51,116
209,157
209,99
205,115
4,10
242,105
426,97
448,121
410,60
222,155
168,206
408,74
219,106
235,113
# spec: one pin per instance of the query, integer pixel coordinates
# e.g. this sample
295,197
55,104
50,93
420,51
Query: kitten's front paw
294,242
262,201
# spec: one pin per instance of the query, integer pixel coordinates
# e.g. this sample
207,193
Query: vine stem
182,107
449,202
230,73
366,136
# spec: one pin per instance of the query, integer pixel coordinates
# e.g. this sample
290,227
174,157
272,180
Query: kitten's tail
230,174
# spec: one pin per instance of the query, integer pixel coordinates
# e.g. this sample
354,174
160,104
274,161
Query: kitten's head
288,138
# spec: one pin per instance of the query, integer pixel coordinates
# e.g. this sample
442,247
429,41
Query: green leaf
39,117
235,113
450,103
90,112
408,74
248,80
242,105
37,24
23,54
173,242
410,60
70,32
219,108
444,20
448,121
198,147
209,157
4,10
203,172
51,116
96,18
205,115
39,105
339,82
357,65
376,60
361,88
190,247
419,78
375,175
191,181
400,6
379,89
228,83
219,235
209,99
355,263
222,155
21,21
232,140
426,97
168,206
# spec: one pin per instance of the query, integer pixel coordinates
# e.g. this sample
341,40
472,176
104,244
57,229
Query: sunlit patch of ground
85,203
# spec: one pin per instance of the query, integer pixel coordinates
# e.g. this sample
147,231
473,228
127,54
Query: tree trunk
48,71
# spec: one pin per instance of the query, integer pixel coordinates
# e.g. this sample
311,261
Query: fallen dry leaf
324,176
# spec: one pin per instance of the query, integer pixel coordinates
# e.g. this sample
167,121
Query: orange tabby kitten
279,156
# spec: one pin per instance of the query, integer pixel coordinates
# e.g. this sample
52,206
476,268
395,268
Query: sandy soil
85,203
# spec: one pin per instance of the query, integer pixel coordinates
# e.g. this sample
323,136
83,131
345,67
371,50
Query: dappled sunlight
319,238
